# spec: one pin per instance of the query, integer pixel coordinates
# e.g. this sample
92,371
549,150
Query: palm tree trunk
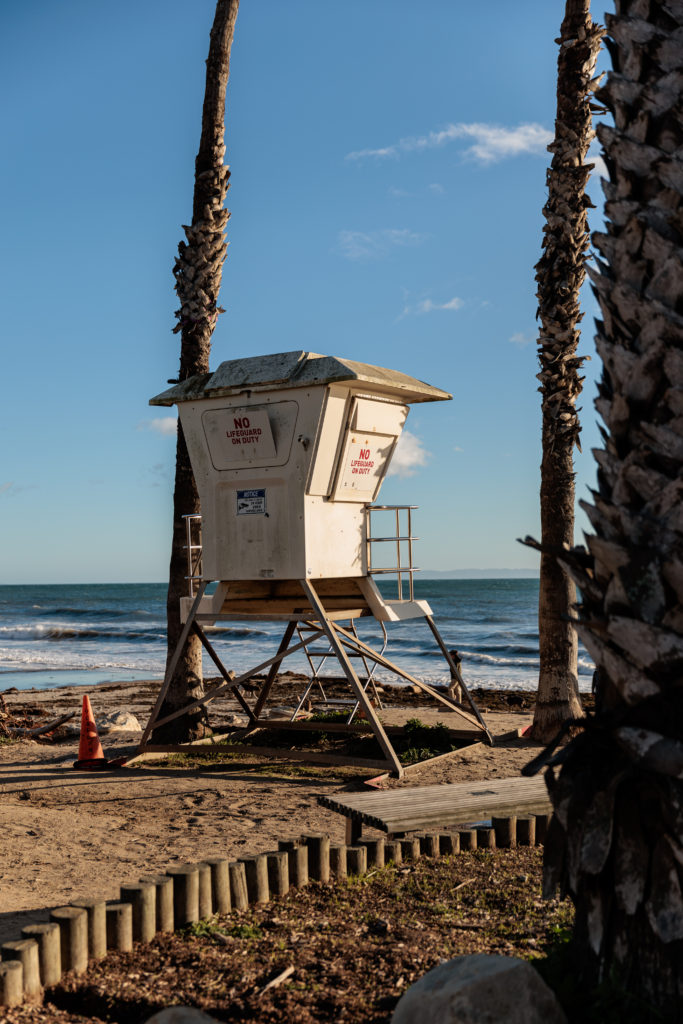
198,271
560,274
616,842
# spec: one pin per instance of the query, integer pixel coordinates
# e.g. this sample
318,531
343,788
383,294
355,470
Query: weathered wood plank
267,589
362,727
451,791
259,611
272,753
439,757
422,806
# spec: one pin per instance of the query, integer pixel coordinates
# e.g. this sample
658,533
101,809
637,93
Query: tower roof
296,370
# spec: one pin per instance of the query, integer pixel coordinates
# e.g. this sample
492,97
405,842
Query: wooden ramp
419,807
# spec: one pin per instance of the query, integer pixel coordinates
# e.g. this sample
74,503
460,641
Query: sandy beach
71,833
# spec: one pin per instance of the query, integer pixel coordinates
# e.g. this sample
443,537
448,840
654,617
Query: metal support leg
455,672
354,642
350,674
315,669
272,671
369,672
239,680
221,668
172,665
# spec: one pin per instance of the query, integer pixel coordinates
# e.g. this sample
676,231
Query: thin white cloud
489,142
594,156
373,245
457,448
434,188
521,339
600,168
428,306
6,487
409,455
167,426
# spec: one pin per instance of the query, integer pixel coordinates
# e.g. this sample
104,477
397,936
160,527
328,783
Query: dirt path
68,834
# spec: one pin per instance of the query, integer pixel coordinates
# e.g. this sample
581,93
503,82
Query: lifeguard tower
289,452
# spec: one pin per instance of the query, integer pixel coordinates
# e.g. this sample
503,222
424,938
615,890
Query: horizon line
495,573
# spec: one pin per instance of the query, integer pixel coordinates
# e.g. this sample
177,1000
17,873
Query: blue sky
388,177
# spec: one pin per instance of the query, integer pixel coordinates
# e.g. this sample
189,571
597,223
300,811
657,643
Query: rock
480,989
118,721
236,721
280,713
181,1015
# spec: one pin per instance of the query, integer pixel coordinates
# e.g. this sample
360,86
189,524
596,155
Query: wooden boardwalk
414,808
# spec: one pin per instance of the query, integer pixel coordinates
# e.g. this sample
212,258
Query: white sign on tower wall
238,435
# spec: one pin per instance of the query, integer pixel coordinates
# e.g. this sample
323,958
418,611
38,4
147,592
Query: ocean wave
63,632
531,649
99,613
491,659
13,661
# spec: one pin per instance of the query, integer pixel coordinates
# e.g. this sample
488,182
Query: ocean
59,635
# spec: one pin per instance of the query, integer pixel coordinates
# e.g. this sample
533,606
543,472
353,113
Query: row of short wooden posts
188,893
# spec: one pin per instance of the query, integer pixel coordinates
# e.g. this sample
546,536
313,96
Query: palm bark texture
616,841
559,275
198,271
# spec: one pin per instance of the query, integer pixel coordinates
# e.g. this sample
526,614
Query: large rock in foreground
480,989
181,1015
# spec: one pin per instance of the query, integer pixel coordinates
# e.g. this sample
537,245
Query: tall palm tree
616,842
198,271
560,274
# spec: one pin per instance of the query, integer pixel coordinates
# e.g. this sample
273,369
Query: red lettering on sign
241,423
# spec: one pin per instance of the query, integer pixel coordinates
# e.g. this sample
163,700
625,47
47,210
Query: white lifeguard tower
289,452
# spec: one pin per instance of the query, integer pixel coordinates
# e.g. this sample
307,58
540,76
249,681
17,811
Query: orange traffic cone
90,753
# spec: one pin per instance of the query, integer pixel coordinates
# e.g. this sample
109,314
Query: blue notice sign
251,503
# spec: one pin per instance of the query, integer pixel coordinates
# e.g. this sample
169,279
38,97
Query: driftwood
287,973
462,885
40,730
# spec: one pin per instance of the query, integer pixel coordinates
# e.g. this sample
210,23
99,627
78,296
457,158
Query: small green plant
329,716
244,931
418,742
205,929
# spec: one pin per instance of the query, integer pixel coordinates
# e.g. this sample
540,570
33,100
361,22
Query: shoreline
286,685
10,680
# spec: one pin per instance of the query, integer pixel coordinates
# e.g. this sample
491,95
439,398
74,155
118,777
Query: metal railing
403,572
193,547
